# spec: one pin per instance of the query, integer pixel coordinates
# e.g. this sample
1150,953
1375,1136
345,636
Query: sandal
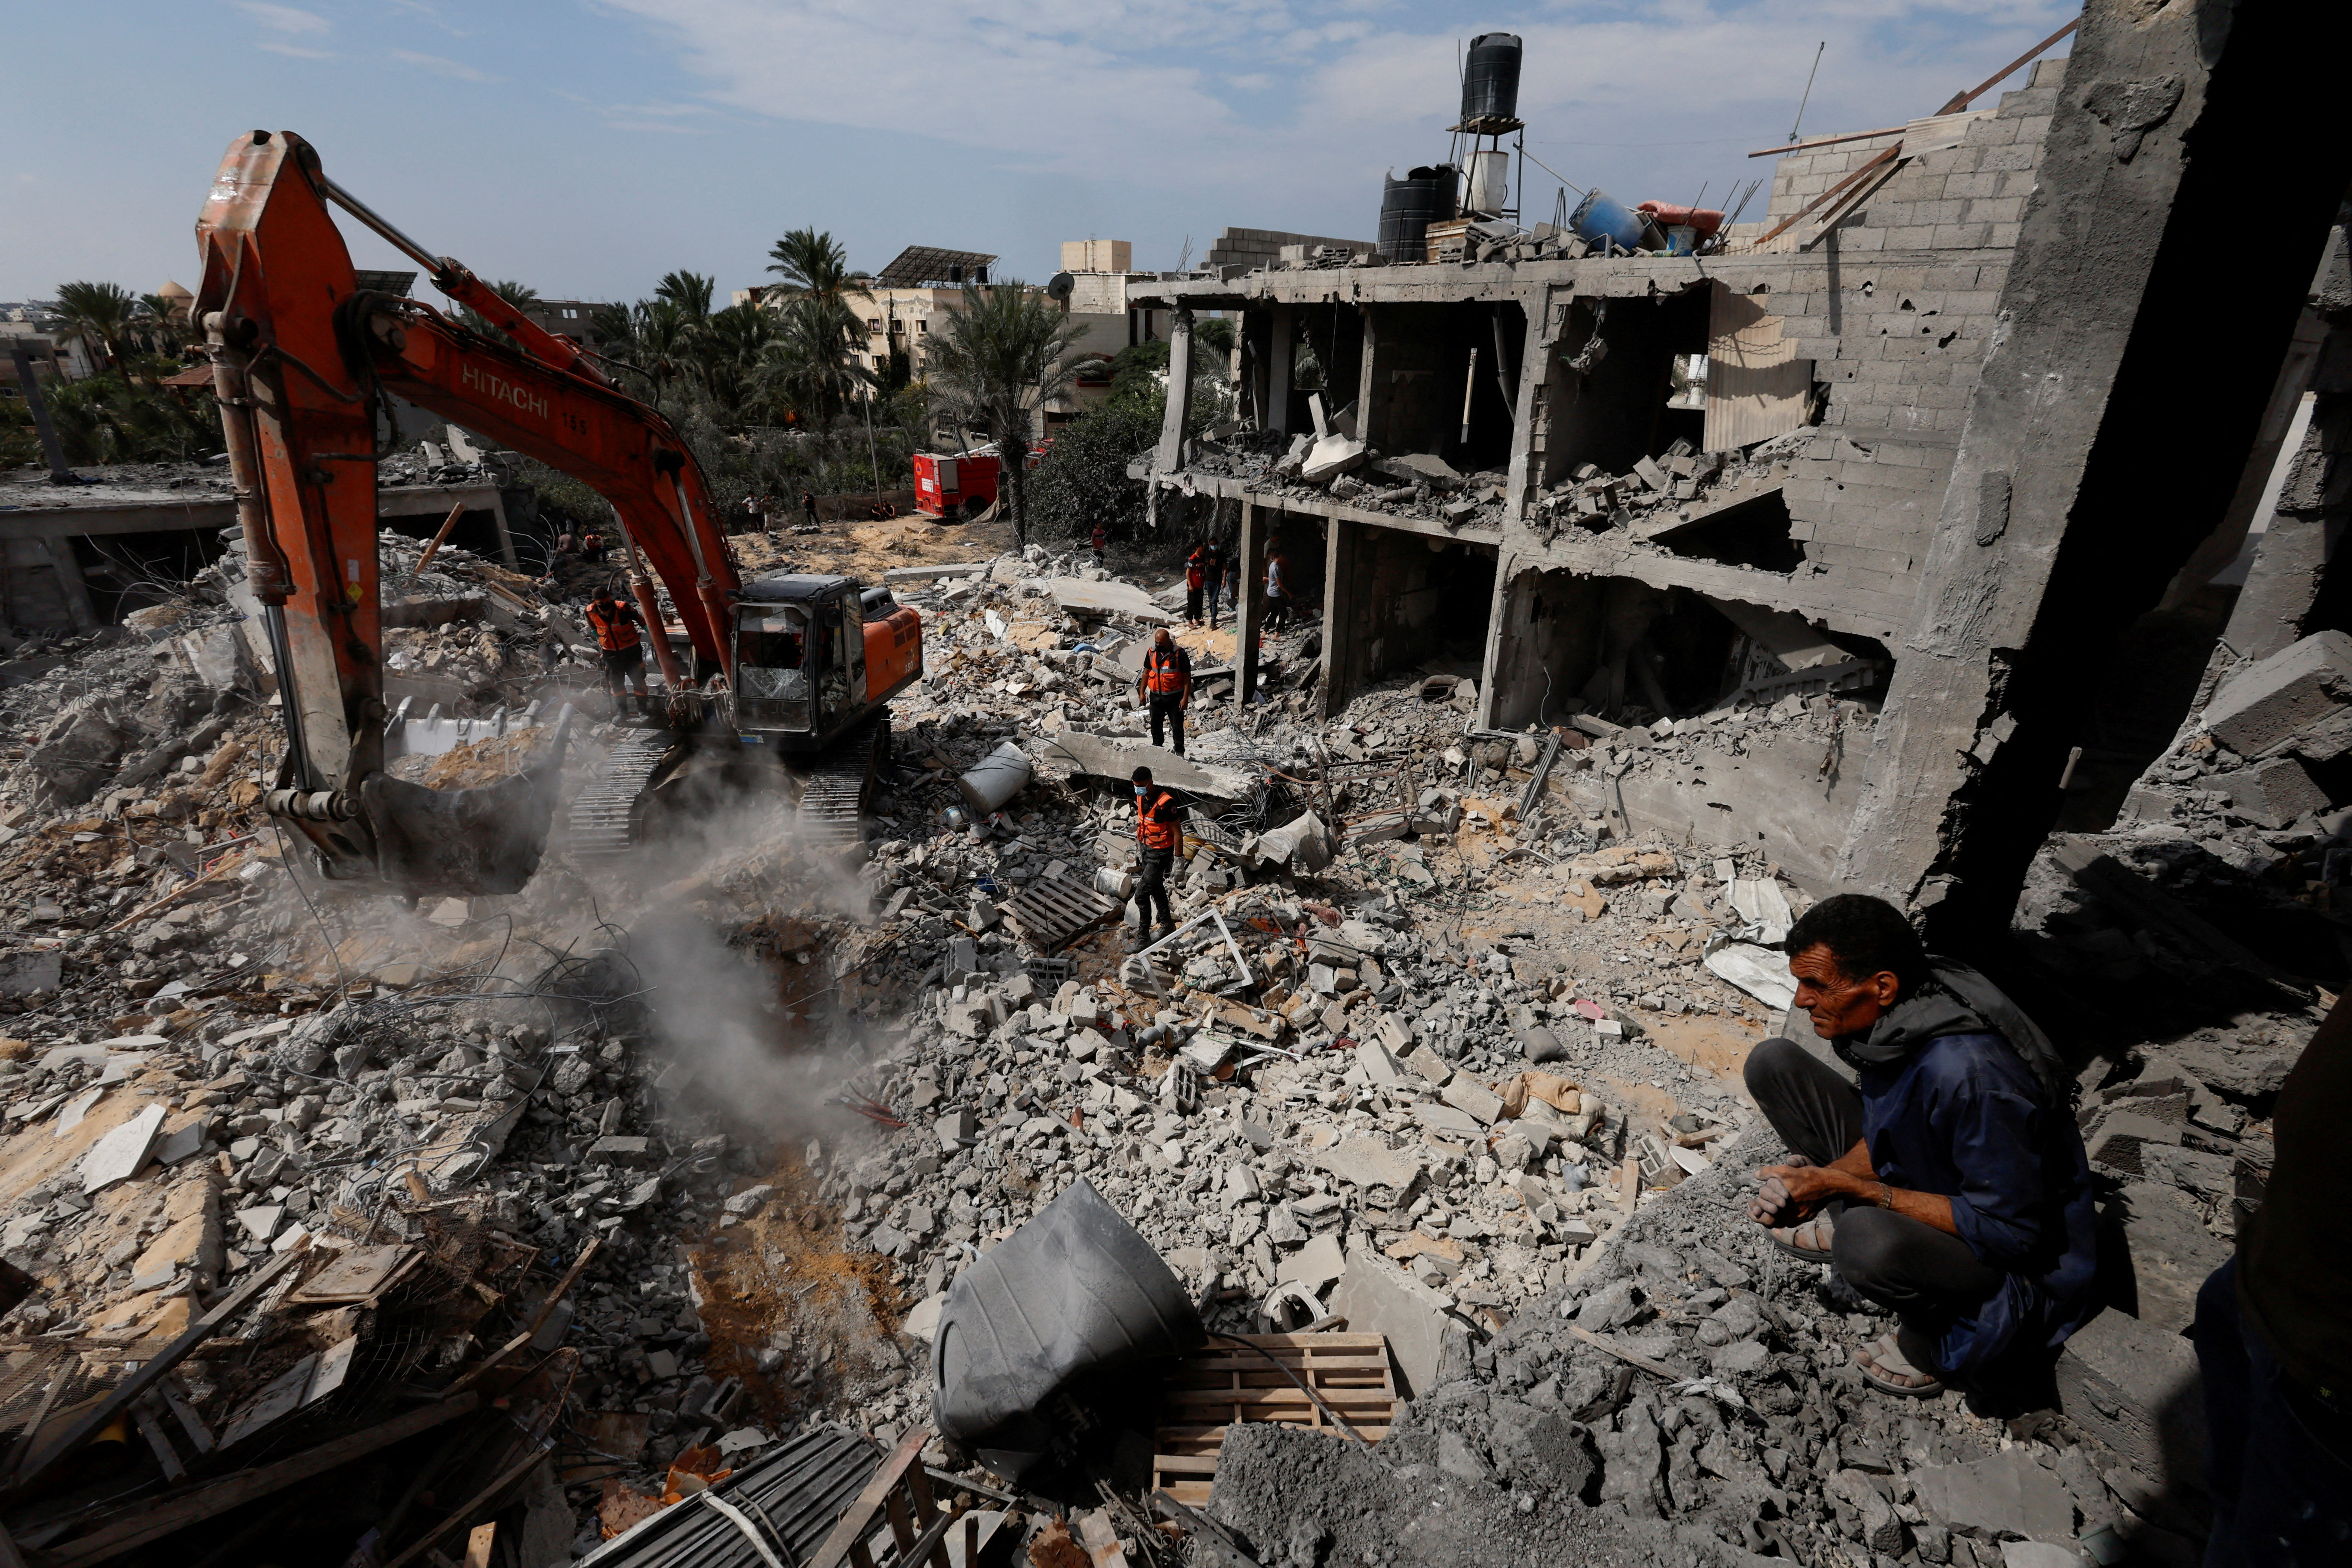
1808,1240
1884,1366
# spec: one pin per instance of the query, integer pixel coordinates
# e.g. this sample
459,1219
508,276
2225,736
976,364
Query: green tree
690,292
101,313
998,360
810,366
812,264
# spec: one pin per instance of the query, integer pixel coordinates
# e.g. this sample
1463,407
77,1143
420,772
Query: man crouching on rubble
1952,1189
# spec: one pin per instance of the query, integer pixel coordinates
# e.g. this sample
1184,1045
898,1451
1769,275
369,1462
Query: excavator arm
300,355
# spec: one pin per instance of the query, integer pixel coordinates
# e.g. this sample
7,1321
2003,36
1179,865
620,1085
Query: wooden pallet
1052,912
1214,1388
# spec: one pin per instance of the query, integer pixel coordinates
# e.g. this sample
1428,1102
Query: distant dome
180,297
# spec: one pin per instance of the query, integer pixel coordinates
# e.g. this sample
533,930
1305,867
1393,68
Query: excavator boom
301,357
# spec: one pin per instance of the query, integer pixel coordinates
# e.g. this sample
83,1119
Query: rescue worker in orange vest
615,622
1196,574
1158,830
1166,686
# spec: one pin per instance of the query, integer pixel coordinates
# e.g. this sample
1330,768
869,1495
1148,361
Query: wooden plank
466,1509
107,1411
478,1544
850,1531
155,1520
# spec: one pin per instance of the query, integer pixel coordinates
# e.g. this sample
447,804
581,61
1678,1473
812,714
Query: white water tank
1490,183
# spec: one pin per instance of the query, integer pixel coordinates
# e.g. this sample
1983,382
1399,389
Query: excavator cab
800,660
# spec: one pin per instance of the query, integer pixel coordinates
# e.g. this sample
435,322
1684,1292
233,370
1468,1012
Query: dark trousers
1277,611
1166,709
2278,1454
1152,888
625,665
1918,1272
1192,604
1211,588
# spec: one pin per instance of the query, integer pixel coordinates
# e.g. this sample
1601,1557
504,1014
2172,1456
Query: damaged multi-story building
1972,415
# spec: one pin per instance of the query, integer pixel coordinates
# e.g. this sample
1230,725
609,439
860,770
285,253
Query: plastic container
1601,216
1119,884
1000,775
1705,220
1408,207
1490,181
1490,78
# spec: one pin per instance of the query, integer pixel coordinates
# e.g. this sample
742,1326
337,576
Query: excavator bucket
465,842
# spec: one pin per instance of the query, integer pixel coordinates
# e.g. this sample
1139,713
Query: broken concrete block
2193,1170
1313,1266
1878,1528
2171,1253
1379,1064
620,1151
1370,1163
957,1129
121,1154
33,970
2122,1134
262,1221
2271,794
1473,1099
1376,1297
2004,1492
1428,1064
2135,1387
1448,1121
2292,690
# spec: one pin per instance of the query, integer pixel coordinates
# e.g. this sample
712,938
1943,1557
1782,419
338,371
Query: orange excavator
788,676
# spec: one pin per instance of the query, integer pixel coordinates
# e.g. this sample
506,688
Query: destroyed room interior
1338,957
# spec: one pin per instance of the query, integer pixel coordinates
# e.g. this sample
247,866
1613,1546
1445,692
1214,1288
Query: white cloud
286,19
1090,86
456,70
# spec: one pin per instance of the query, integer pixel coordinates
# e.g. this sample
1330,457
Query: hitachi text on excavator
787,677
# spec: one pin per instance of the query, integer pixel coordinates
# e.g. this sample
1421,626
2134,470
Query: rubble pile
1681,485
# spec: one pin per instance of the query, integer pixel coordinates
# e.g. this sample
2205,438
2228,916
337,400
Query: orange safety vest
1155,831
613,632
1164,674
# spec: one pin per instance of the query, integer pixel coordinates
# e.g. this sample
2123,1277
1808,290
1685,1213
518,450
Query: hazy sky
588,146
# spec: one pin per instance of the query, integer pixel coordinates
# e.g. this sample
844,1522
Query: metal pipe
1469,385
382,226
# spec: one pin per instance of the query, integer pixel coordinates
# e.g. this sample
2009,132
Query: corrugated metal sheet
1756,383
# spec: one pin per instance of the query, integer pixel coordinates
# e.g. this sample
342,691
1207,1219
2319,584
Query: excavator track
832,815
602,825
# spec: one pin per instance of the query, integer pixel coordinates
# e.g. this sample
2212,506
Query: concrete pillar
2060,524
1249,604
1343,615
1530,418
1275,377
29,384
1171,454
1502,640
506,540
1371,406
73,589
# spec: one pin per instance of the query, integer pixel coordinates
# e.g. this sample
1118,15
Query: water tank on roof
1408,207
1490,183
1490,78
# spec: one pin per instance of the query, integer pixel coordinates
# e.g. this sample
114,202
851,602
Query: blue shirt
1963,1117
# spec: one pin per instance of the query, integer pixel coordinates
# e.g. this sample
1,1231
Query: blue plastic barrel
1601,215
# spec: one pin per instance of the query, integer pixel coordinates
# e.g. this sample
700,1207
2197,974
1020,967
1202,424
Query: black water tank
1490,78
1408,207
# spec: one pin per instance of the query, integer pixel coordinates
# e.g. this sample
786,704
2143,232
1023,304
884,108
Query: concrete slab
1474,1100
2005,1492
122,1152
1123,600
1370,1163
1313,1266
1447,1121
1072,754
1378,1298
2171,1253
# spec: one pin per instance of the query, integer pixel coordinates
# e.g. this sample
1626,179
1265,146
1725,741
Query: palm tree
730,345
812,264
1004,355
810,366
160,324
690,292
521,296
102,313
